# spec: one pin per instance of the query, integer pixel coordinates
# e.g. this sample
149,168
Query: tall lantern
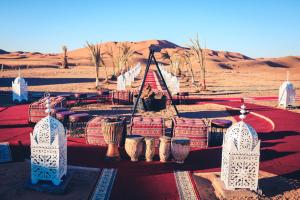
48,150
19,89
240,156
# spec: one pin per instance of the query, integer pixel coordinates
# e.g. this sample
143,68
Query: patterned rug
104,185
185,186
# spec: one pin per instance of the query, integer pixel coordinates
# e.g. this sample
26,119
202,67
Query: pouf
64,116
80,117
194,129
148,126
218,129
53,111
93,132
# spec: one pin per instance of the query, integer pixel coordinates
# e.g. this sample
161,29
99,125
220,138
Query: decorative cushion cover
37,109
122,97
195,129
93,132
148,126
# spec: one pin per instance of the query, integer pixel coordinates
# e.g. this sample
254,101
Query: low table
63,117
218,129
78,123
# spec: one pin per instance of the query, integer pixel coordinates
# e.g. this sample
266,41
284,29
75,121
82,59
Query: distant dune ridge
216,59
3,52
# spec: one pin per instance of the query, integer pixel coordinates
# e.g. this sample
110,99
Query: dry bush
65,57
200,55
186,57
95,52
175,62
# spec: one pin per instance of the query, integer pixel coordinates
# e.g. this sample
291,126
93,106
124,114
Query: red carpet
152,80
280,151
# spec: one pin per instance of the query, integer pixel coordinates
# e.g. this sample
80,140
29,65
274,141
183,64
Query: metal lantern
19,89
240,156
48,150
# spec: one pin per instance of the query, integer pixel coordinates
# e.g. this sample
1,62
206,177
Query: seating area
145,144
83,124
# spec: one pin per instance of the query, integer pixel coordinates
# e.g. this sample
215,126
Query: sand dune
222,60
3,52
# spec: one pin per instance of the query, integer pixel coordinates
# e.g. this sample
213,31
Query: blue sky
257,28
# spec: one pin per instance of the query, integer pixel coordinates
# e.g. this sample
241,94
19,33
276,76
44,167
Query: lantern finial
243,111
48,110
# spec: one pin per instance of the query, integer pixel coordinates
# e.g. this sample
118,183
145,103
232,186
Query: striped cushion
195,129
122,97
149,126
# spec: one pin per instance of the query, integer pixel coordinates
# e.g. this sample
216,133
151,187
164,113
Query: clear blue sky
257,28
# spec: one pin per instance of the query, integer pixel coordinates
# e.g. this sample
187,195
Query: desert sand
227,73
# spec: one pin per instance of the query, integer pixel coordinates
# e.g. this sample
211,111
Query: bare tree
200,54
115,62
95,52
126,54
65,58
186,56
174,62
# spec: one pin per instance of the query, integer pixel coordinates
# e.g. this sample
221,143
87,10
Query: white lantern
121,82
127,79
48,150
240,156
287,94
19,89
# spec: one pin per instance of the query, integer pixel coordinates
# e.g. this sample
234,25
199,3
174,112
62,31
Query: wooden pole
143,83
166,86
151,56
